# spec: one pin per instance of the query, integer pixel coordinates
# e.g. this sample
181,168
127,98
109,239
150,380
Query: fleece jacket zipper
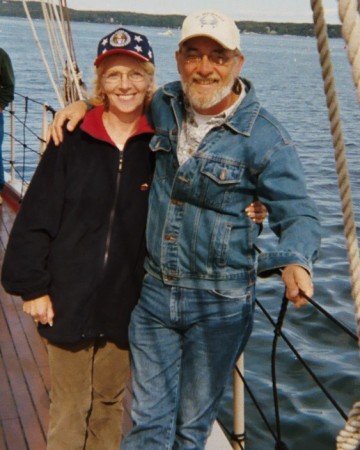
112,213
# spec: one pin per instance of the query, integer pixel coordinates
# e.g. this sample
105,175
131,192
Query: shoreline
15,9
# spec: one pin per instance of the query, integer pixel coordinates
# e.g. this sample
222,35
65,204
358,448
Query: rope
340,153
54,42
280,445
73,69
349,438
256,403
24,153
330,317
43,57
238,438
60,42
304,364
349,15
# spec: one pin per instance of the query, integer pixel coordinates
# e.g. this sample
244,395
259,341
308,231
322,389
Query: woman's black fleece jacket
80,233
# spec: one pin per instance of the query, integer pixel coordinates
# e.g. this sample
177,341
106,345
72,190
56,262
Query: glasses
215,58
134,76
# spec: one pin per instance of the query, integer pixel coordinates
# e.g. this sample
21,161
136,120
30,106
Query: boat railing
273,425
25,137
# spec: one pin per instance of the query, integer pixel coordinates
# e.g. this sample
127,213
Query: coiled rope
349,437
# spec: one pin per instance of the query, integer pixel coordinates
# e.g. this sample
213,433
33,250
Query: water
287,76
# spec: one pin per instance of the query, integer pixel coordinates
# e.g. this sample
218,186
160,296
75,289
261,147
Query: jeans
184,344
87,388
2,179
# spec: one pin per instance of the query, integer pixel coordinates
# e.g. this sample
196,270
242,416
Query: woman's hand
256,211
40,309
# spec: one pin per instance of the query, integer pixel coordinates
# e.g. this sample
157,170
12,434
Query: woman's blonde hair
99,98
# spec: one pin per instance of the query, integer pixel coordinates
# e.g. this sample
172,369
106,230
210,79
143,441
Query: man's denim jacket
198,234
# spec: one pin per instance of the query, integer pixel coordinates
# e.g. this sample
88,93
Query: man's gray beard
197,102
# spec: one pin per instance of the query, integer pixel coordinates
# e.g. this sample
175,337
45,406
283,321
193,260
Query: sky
258,10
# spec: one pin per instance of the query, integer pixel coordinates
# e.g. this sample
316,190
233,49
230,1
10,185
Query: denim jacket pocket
220,183
221,172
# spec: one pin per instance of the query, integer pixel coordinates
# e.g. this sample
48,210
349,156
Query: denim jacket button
176,202
183,179
169,278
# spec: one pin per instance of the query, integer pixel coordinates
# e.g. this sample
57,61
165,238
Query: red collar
94,126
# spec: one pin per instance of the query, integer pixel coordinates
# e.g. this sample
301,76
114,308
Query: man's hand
296,278
72,113
40,309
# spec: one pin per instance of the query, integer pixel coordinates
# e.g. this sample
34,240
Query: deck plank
8,407
13,435
19,371
25,356
2,438
24,378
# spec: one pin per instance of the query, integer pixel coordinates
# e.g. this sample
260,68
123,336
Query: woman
75,254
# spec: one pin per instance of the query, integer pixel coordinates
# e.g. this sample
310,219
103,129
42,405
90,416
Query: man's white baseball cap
212,24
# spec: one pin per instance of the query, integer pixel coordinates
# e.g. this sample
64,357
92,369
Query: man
7,86
217,150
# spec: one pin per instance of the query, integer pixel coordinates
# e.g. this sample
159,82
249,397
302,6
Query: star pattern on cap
123,41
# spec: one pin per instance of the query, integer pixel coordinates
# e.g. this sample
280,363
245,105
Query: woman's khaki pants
87,389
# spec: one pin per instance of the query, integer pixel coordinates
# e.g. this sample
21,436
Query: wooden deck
24,372
24,369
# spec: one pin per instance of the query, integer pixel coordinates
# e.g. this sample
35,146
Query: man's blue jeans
184,344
